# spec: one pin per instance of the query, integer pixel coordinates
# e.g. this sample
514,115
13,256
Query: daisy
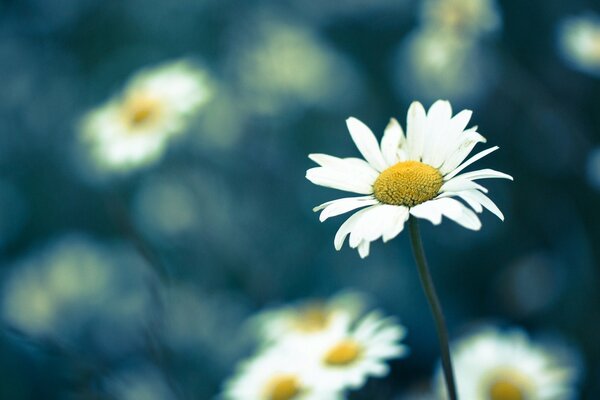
309,317
579,42
133,128
420,175
495,365
277,374
345,356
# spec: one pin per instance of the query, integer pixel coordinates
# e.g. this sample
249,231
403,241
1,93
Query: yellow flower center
407,183
504,389
282,387
141,109
312,318
343,353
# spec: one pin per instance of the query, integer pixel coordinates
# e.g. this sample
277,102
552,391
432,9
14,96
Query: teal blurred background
135,286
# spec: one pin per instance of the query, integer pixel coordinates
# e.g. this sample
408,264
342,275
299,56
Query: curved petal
339,180
348,226
347,165
457,184
371,224
433,211
484,174
470,161
366,143
342,206
396,223
429,211
363,248
485,201
415,130
393,138
460,149
459,213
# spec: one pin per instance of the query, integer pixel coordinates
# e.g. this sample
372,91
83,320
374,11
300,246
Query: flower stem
434,304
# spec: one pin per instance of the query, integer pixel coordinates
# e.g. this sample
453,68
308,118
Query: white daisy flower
462,16
579,42
133,128
308,318
495,365
278,374
345,355
419,174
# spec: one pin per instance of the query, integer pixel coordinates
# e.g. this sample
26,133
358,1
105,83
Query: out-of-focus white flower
269,63
431,63
308,318
345,356
278,375
75,287
419,175
496,365
132,129
579,42
470,17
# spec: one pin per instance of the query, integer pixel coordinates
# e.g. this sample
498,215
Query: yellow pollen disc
345,352
141,109
505,390
312,318
283,387
407,183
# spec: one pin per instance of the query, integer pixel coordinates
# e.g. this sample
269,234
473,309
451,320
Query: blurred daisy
462,16
133,128
277,375
430,63
419,174
308,318
579,42
346,356
494,365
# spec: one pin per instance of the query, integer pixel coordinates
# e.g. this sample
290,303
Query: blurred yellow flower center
343,353
283,387
505,390
407,183
140,109
312,318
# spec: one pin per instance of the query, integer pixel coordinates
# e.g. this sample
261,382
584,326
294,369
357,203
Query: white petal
322,206
459,122
484,174
470,161
460,149
438,122
371,224
363,248
457,184
396,224
415,130
351,165
429,211
453,135
482,199
434,209
339,180
393,138
459,213
347,227
366,143
341,206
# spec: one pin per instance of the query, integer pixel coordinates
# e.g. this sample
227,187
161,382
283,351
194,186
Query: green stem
434,304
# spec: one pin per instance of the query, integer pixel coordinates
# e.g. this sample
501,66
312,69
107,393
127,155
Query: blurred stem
434,305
